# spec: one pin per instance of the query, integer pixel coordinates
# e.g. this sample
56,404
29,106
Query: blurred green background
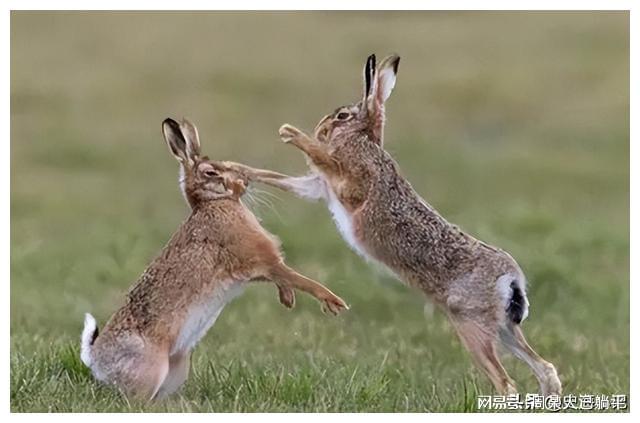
515,126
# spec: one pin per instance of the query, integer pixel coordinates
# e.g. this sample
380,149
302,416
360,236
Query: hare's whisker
268,193
266,202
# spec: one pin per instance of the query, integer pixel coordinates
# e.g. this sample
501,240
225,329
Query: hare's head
201,179
366,117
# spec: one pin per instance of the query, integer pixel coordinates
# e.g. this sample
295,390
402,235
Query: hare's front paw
287,296
334,305
290,133
237,167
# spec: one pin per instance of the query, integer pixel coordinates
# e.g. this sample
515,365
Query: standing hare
480,288
145,347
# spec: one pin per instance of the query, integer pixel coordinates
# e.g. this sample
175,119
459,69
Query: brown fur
395,226
219,246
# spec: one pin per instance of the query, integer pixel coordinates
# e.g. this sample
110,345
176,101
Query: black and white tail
89,335
518,307
512,290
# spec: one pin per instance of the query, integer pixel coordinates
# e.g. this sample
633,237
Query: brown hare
480,288
145,347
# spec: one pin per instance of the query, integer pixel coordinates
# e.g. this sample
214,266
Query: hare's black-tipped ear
385,78
369,75
175,140
383,82
190,133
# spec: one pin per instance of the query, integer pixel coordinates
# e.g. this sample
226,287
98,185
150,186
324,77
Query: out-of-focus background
515,126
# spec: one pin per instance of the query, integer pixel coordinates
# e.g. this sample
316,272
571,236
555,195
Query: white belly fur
202,316
344,222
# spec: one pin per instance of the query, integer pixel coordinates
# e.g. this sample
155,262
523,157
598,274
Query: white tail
88,336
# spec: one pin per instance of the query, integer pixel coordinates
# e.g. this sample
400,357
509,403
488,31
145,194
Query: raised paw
244,170
334,305
287,296
290,133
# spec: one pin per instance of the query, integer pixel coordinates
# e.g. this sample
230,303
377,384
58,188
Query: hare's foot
553,386
253,174
287,296
334,304
308,186
244,170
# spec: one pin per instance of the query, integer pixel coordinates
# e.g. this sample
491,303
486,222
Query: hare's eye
342,115
210,173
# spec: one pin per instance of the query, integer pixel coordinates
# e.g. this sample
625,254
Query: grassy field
515,126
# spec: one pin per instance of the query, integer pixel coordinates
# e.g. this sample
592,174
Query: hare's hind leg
513,339
481,343
178,373
148,372
135,368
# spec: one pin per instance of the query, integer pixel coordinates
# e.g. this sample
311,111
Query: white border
310,5
322,5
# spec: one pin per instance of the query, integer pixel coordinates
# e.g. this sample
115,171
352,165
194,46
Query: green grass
514,125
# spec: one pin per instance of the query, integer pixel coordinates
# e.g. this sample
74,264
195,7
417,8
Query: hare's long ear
175,140
386,77
190,133
383,82
368,77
